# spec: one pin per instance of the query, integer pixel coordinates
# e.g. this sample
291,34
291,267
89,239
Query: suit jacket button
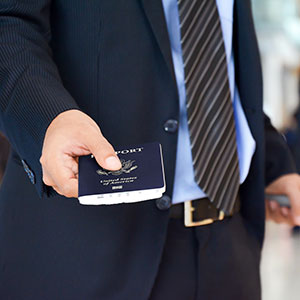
29,173
164,202
171,126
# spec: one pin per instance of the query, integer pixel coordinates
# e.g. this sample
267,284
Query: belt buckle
188,216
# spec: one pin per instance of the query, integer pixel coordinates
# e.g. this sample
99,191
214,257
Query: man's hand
70,135
288,185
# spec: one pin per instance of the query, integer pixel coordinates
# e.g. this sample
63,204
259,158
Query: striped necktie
209,106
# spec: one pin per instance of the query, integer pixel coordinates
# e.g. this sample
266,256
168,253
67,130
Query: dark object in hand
282,200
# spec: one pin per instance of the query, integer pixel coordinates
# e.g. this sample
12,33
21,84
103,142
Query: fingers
63,177
294,197
278,214
285,212
69,189
288,185
60,170
70,135
64,185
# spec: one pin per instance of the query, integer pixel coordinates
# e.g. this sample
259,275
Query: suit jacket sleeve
31,91
279,160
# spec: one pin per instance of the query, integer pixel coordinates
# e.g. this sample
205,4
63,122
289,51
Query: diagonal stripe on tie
208,99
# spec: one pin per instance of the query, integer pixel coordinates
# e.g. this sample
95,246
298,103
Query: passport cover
140,178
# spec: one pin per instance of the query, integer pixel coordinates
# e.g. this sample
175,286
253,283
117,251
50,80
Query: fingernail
113,163
273,205
297,221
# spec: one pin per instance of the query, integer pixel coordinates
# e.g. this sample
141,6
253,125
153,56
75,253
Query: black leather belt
200,212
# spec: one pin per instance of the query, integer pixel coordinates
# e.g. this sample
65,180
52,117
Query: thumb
103,152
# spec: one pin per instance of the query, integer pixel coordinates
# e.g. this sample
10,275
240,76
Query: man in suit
71,67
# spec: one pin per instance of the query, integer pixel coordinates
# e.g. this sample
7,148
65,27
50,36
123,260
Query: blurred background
278,29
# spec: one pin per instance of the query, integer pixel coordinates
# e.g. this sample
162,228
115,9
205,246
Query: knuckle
67,190
47,180
69,195
42,160
64,190
57,190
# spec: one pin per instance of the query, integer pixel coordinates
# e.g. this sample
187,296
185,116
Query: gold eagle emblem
127,167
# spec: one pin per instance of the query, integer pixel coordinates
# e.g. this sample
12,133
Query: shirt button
164,202
171,126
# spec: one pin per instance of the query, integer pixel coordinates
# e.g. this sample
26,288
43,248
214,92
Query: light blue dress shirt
185,187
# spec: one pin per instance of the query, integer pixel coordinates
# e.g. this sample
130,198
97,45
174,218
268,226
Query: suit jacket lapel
247,59
155,14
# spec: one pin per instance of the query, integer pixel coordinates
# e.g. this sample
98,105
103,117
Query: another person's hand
288,185
70,135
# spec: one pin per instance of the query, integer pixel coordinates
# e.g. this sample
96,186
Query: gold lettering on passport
135,150
118,181
127,167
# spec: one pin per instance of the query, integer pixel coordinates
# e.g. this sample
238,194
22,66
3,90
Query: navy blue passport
141,177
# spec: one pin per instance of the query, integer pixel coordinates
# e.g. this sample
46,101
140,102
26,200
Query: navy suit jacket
112,60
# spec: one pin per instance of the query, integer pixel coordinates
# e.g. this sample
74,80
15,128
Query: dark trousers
54,249
217,261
